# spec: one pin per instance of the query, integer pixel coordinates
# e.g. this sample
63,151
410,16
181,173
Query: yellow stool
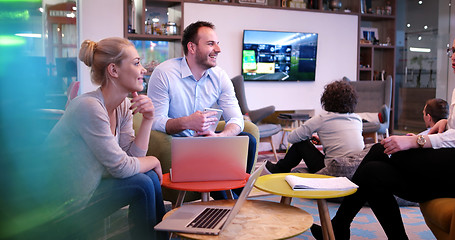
275,184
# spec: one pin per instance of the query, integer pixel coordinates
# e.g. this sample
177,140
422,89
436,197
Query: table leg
180,199
229,194
286,200
205,196
326,222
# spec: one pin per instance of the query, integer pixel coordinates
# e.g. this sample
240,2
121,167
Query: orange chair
439,214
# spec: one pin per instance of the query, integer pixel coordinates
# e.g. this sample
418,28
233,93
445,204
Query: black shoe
271,167
316,230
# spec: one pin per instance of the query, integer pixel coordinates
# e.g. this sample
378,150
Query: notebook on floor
206,219
196,159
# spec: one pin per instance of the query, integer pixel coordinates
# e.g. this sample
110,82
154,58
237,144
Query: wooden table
203,187
275,184
259,220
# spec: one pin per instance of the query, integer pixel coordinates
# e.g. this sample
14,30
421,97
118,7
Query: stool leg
286,200
205,196
229,194
326,223
180,199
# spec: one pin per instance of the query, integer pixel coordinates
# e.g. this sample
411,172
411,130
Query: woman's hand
395,144
142,104
148,163
439,127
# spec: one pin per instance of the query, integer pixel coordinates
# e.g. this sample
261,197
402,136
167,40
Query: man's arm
199,122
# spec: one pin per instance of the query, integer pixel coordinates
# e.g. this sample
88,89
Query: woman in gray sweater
105,163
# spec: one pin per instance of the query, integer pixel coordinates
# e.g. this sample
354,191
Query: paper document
327,184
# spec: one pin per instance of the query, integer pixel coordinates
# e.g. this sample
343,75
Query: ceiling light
420,2
420,38
408,25
415,49
425,27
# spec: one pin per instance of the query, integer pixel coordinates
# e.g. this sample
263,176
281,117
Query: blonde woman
106,167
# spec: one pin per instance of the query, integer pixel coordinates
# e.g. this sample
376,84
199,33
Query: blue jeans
249,166
142,192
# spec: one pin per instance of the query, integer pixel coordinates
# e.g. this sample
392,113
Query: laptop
207,219
195,159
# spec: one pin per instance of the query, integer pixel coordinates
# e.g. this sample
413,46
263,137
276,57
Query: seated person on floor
181,88
339,130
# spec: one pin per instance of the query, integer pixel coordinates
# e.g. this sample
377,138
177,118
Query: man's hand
200,122
439,127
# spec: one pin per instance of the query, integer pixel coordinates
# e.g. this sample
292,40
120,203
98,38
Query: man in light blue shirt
181,88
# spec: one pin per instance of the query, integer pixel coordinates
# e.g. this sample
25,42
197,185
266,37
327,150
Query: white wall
337,45
337,49
97,20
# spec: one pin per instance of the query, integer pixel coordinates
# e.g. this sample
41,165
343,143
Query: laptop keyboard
209,218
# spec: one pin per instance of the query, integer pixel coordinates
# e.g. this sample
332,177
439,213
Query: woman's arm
148,163
143,104
395,144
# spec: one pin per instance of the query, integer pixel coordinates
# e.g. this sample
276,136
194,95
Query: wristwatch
421,140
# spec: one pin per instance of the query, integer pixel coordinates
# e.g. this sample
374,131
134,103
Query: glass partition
422,62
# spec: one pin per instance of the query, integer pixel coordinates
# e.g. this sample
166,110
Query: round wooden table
259,220
275,184
203,187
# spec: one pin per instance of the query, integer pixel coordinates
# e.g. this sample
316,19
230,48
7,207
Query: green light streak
6,40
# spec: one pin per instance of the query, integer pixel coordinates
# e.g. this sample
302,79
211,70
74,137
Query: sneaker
271,167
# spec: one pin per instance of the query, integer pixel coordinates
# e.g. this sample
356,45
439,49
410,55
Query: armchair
374,96
266,131
160,147
439,214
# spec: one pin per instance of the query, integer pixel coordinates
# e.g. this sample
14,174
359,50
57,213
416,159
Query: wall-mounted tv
279,56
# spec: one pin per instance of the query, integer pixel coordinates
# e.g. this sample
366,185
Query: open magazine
326,184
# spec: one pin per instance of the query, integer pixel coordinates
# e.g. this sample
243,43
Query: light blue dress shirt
176,93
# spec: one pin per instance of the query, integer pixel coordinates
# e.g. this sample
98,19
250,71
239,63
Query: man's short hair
339,97
437,108
190,33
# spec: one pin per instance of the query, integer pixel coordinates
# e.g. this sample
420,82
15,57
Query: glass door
422,40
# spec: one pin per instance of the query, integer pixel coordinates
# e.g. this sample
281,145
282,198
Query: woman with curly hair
332,127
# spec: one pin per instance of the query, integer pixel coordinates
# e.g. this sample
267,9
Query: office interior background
35,73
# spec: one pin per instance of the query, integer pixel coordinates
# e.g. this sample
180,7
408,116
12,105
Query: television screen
279,56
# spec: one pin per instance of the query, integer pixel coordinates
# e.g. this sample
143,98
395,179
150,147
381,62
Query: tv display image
279,56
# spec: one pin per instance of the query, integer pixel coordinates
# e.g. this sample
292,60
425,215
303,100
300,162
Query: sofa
439,214
160,147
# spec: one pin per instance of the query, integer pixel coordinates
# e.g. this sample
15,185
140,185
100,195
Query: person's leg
252,144
305,150
352,204
145,202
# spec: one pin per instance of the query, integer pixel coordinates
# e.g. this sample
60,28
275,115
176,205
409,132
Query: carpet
365,225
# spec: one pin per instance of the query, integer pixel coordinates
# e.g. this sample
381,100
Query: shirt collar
186,72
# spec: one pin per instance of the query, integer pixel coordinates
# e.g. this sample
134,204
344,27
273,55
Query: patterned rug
365,225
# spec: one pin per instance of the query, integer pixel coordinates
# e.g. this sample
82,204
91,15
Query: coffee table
203,187
259,220
275,184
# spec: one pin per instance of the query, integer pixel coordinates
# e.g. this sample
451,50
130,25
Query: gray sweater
83,141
